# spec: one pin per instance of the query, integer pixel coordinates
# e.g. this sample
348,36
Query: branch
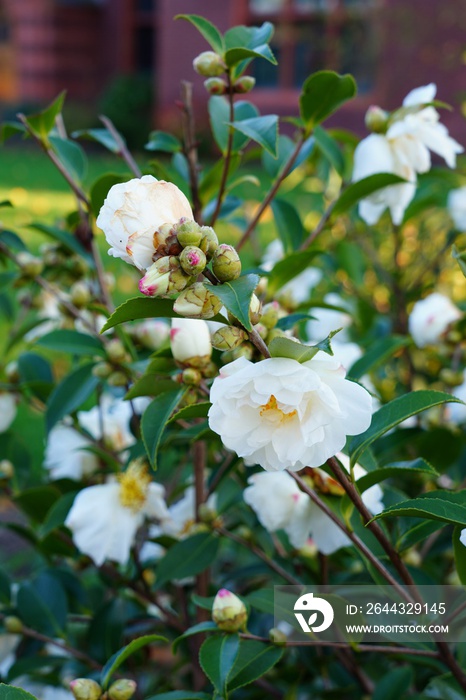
190,146
123,151
320,226
226,162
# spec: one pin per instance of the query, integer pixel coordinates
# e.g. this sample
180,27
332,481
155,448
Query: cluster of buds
88,689
267,327
211,65
114,368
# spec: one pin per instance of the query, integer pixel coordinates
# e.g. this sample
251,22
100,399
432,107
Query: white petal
421,95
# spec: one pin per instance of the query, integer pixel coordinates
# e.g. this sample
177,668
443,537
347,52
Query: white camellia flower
327,320
280,505
404,151
116,415
7,410
297,290
133,211
104,519
430,319
190,341
456,205
282,414
65,456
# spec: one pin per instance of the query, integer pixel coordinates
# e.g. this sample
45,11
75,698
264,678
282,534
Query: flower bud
450,377
210,370
190,342
270,315
376,119
209,241
255,309
30,265
277,637
12,372
229,612
85,689
7,470
123,689
275,333
165,276
102,370
226,264
197,302
79,294
209,64
191,376
193,260
13,624
116,351
244,84
216,86
188,233
412,557
245,350
117,379
262,330
228,338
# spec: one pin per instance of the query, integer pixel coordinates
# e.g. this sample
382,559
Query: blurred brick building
389,45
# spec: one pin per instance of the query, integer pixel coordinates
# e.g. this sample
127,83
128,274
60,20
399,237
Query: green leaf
178,695
197,410
460,258
56,515
444,688
42,605
285,347
445,506
151,385
460,554
291,232
323,93
100,135
33,368
253,661
43,122
71,155
120,656
417,466
101,188
70,394
9,129
286,146
219,114
208,30
418,533
5,589
330,149
394,684
64,340
379,353
363,188
155,418
37,501
263,130
187,558
285,270
217,657
65,238
161,141
249,37
394,413
208,626
10,692
234,56
236,297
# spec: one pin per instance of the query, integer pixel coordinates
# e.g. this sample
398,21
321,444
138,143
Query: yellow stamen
134,483
273,413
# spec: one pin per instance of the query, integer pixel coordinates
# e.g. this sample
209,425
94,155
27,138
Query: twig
123,151
190,146
320,226
271,193
227,159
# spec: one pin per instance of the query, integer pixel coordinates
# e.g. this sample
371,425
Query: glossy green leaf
9,129
34,368
180,695
219,113
217,657
249,37
363,188
10,692
120,656
74,342
66,238
378,353
71,155
100,135
285,347
253,661
394,470
208,30
236,297
236,55
151,385
443,687
37,501
444,506
161,141
288,268
393,684
208,186
262,130
322,94
416,534
197,410
207,626
101,188
394,413
291,232
43,122
155,418
42,605
330,149
70,394
56,515
187,558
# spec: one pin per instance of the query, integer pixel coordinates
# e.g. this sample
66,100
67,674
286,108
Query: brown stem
320,226
123,151
271,193
227,159
101,277
190,147
261,555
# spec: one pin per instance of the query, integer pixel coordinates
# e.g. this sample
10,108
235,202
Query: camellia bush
273,396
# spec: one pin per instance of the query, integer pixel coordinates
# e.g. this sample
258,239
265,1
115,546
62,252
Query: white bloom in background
327,320
133,211
430,319
7,410
190,341
104,519
65,456
50,315
463,537
116,415
8,644
182,514
346,353
280,505
151,333
300,287
281,414
456,205
404,151
456,412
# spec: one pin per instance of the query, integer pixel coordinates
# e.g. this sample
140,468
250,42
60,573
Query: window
315,34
